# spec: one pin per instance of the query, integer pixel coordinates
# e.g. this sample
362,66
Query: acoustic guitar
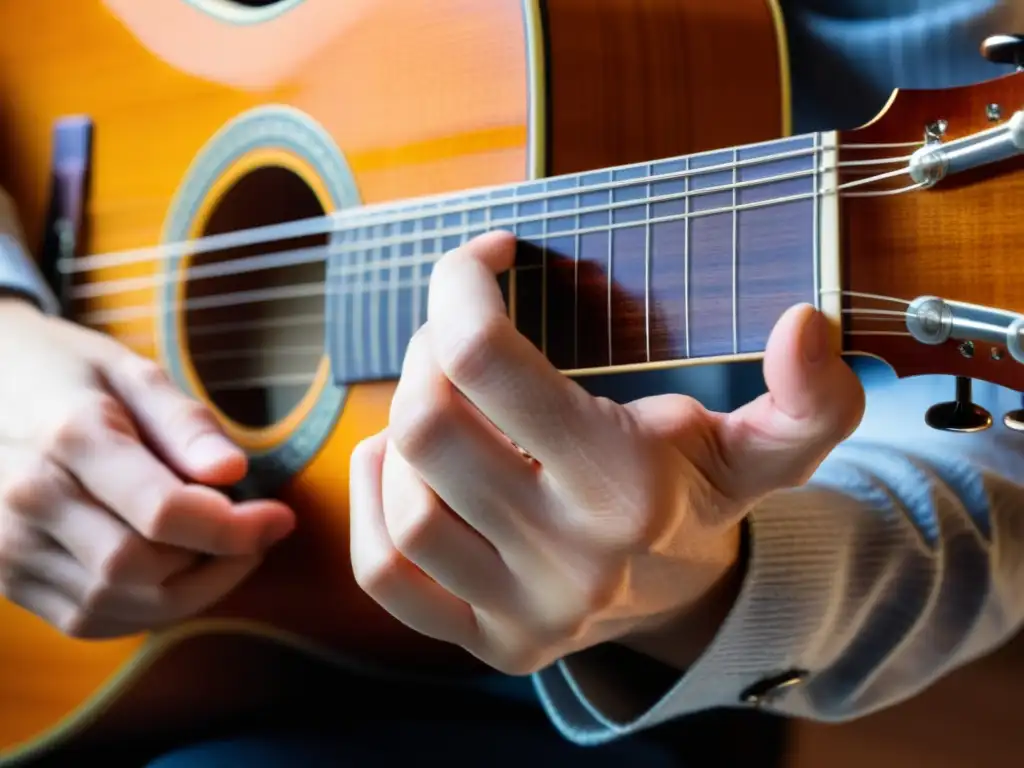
253,194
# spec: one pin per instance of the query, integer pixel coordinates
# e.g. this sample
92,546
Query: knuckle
419,422
467,356
193,413
114,564
415,531
376,572
35,487
92,418
144,373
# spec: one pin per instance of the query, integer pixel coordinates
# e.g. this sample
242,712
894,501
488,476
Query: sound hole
258,354
256,3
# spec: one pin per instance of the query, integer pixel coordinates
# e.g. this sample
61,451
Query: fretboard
680,259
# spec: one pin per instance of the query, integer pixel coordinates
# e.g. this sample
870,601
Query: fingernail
211,448
815,341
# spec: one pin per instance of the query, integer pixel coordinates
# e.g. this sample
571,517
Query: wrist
682,638
17,302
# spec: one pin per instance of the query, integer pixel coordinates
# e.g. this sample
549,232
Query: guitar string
387,213
307,290
305,380
223,355
315,254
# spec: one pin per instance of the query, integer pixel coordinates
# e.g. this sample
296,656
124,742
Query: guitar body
211,116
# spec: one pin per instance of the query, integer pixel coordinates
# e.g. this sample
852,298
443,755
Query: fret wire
512,290
577,246
417,275
357,318
335,312
647,266
375,361
815,237
611,248
735,256
686,256
544,275
393,299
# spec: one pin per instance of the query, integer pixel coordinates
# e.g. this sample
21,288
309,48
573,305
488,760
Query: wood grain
959,240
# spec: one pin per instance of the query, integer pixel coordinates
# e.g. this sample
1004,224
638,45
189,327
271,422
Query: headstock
932,239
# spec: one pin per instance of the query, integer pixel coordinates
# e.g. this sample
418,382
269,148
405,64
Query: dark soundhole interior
256,3
258,354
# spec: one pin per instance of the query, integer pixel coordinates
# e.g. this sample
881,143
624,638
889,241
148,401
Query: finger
27,580
182,431
196,590
53,502
814,401
52,567
427,533
467,462
103,455
495,367
62,613
390,579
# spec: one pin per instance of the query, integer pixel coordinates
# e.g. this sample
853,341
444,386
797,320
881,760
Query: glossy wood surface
160,78
958,241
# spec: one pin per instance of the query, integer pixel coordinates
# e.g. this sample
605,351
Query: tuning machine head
961,414
1004,49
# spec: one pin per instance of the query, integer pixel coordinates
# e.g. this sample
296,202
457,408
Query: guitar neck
681,260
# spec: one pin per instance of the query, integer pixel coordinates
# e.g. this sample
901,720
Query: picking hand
107,524
626,520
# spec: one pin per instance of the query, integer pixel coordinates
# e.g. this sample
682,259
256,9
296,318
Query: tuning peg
1004,49
1015,419
961,414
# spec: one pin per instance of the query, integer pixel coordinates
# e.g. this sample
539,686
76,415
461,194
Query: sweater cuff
759,656
19,274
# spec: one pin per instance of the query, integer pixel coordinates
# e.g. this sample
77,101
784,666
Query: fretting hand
108,525
623,526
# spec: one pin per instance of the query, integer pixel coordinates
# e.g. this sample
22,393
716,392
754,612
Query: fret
735,255
710,259
506,280
628,268
576,246
529,279
544,273
410,257
560,270
647,268
373,306
816,214
593,284
669,266
686,256
777,243
359,302
390,259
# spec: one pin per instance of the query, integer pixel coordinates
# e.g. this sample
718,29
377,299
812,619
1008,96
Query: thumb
814,401
181,430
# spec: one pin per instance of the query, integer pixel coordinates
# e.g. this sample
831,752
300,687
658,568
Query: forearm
19,275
